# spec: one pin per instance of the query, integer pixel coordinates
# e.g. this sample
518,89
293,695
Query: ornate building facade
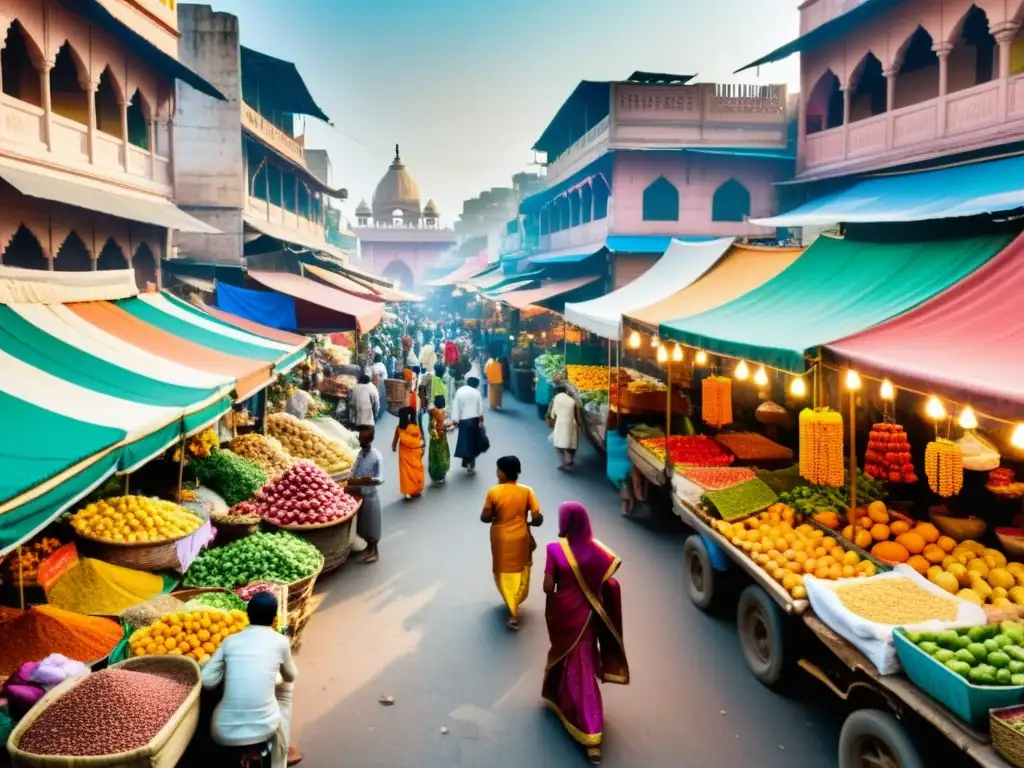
398,238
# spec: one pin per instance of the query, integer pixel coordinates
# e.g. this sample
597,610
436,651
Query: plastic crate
969,702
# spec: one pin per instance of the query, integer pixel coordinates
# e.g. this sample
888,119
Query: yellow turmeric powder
99,588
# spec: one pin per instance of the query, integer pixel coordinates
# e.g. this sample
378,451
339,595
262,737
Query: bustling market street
426,626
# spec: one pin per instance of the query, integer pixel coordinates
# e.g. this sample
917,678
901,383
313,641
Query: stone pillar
151,125
890,88
1005,33
91,90
942,50
125,159
847,91
801,129
44,84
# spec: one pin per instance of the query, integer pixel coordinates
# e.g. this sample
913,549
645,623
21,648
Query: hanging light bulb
662,354
634,340
852,380
888,391
742,372
655,341
701,358
761,377
1017,438
935,409
798,387
677,354
967,418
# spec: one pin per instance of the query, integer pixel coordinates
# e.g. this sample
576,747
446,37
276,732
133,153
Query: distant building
397,238
241,167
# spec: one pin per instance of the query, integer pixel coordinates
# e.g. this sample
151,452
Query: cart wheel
698,573
761,629
872,738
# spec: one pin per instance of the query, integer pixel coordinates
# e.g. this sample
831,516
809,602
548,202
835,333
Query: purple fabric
188,548
571,680
592,561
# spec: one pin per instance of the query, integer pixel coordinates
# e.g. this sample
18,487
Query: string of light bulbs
935,410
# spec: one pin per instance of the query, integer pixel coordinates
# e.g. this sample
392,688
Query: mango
1016,594
947,581
960,572
979,567
970,596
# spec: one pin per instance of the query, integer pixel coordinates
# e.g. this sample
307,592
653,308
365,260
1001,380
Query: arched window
918,78
145,267
972,60
20,77
108,108
825,104
400,273
138,121
111,256
869,90
601,197
73,256
731,202
587,202
67,96
25,251
661,201
574,208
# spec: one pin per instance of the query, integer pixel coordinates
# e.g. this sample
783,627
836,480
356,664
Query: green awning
25,521
835,289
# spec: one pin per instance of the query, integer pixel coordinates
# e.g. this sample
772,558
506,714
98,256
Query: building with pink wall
654,157
87,104
399,239
889,84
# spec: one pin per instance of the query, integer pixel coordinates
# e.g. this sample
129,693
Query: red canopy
964,343
524,298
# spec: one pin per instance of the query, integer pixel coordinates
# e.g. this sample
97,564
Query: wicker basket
187,594
164,751
228,532
333,539
146,556
398,392
1007,741
959,528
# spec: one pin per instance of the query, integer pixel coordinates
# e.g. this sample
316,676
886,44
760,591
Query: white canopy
682,263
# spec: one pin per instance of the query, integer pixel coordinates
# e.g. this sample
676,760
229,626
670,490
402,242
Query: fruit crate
1007,740
971,703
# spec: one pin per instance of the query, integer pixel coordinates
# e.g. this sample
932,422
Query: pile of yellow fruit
197,634
973,572
788,552
134,520
894,539
588,378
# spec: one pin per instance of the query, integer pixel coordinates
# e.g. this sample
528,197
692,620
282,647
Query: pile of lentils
112,711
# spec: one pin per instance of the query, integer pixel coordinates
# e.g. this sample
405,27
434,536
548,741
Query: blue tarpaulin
266,307
943,193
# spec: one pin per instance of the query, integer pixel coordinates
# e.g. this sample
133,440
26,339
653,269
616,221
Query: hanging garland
716,401
944,467
821,447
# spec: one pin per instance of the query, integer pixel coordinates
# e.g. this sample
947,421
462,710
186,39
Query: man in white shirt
367,402
468,412
257,671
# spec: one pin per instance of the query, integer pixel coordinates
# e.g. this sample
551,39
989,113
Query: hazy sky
467,86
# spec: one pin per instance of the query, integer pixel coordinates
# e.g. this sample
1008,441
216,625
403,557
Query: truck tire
698,573
761,629
871,737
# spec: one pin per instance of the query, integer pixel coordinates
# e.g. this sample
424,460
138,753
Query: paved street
425,625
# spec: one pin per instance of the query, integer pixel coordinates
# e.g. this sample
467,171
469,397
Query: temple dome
430,209
397,190
363,209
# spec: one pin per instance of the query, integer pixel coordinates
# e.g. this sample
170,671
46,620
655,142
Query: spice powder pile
43,629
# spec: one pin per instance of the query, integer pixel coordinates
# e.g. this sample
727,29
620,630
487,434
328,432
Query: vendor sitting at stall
258,673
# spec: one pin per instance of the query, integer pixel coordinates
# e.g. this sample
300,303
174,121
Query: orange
914,542
919,564
933,553
928,531
946,544
880,532
899,527
863,539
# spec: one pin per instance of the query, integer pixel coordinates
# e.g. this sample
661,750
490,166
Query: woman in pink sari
584,618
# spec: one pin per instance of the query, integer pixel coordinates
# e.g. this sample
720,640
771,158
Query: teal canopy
835,289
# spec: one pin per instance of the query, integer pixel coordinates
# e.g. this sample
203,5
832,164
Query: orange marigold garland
716,401
821,447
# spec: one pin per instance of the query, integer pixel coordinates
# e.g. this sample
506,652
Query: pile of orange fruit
788,551
898,540
195,634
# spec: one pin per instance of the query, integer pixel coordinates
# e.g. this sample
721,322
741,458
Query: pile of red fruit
888,455
301,495
689,451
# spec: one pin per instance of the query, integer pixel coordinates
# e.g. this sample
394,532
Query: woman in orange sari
584,618
408,441
509,509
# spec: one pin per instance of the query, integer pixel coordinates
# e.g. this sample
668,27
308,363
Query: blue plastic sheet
266,307
618,467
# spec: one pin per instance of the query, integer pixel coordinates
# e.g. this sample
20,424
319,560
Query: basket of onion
305,501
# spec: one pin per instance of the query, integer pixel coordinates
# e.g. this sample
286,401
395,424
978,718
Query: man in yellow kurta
495,381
